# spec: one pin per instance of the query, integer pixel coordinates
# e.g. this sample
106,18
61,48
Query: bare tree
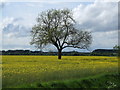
57,27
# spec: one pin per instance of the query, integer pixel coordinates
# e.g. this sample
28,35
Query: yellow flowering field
19,70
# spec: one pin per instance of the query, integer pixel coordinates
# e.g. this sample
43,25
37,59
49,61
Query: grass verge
99,81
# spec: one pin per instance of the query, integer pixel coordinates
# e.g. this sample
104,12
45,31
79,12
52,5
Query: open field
20,70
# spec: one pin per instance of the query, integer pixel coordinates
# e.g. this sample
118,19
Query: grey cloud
1,5
17,29
14,47
99,16
15,35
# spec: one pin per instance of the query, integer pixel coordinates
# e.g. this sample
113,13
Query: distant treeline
97,52
104,52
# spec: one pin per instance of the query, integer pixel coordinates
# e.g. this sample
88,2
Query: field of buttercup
20,70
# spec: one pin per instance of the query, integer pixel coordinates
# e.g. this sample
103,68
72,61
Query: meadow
21,70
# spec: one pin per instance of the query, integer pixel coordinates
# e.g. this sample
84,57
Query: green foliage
117,47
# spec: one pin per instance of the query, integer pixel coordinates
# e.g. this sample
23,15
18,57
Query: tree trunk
59,54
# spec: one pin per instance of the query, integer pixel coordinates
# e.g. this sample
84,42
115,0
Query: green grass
23,70
99,81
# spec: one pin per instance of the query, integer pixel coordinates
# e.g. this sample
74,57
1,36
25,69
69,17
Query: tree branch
82,47
65,34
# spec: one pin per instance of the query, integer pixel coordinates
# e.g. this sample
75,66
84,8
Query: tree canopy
57,27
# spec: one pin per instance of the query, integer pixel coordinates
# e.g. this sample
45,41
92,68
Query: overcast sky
101,18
